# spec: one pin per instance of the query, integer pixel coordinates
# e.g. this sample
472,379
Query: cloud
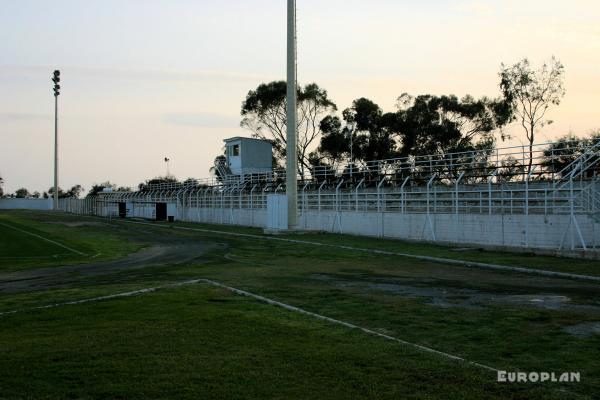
15,117
132,74
474,8
202,120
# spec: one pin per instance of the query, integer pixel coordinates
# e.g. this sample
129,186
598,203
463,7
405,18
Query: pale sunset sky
145,79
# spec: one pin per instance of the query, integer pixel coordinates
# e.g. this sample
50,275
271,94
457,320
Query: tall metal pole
56,80
292,117
56,152
351,151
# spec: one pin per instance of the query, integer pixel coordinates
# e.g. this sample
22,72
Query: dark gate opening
161,211
122,210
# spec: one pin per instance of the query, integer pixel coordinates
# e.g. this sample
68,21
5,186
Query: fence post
380,206
429,185
456,191
338,217
252,197
402,199
356,193
490,191
527,205
319,194
304,203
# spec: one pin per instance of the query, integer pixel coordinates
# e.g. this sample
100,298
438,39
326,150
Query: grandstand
486,197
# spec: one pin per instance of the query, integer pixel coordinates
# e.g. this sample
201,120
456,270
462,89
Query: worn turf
201,342
21,246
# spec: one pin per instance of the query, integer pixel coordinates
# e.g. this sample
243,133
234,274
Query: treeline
24,193
419,125
77,190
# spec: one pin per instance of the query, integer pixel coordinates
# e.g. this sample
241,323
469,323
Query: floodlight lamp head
348,132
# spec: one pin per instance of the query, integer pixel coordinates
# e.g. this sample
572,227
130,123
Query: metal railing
507,164
574,191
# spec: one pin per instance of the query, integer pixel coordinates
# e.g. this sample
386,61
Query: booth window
236,150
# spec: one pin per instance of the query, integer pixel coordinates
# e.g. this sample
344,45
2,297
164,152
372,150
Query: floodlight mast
292,117
56,80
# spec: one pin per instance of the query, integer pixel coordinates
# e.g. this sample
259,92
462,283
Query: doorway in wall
161,211
122,210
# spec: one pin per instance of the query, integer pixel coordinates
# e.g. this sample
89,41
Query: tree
334,143
364,135
264,114
99,187
443,124
374,140
510,168
369,127
220,168
159,180
51,192
36,195
22,193
560,155
1,184
75,191
531,93
422,125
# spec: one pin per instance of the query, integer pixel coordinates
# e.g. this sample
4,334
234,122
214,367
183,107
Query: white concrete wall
141,210
536,231
225,216
26,204
277,212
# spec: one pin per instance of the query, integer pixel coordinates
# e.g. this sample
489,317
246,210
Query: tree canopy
443,124
22,193
75,192
560,155
531,93
421,125
264,114
157,181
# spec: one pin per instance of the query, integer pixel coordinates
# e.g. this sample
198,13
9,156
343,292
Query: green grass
205,343
19,250
17,244
521,259
201,342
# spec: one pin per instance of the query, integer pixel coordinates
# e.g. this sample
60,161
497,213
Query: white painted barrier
535,231
25,204
538,223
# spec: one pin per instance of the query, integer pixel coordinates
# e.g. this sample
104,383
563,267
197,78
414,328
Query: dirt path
183,251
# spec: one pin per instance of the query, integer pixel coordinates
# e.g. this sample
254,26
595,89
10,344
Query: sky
145,79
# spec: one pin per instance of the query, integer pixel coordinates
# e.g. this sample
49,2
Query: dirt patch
435,293
584,330
159,254
78,224
466,249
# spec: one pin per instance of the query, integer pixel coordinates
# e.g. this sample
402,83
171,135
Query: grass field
23,247
200,341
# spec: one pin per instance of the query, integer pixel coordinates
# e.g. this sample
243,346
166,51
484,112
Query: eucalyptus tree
264,115
531,93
